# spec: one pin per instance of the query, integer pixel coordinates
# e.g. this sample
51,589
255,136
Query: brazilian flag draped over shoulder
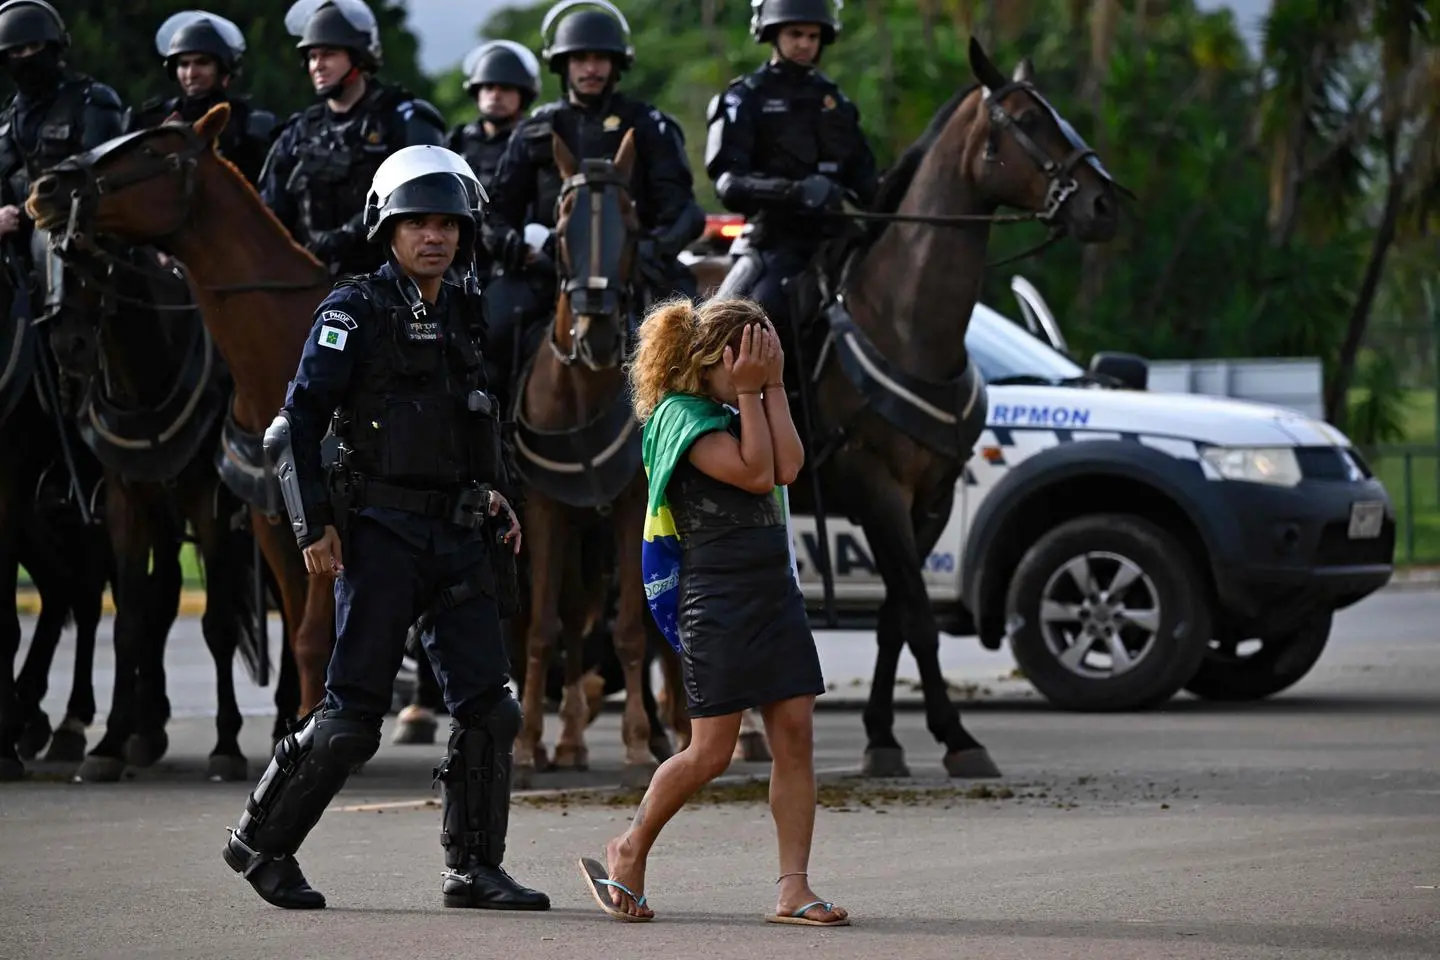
677,422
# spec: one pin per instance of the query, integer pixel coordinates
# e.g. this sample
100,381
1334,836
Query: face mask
36,74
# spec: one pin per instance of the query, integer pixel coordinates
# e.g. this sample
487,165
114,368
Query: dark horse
577,448
257,291
894,419
152,392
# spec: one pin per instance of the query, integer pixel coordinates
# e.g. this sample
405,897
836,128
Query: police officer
783,144
317,170
55,112
392,364
503,78
202,53
590,51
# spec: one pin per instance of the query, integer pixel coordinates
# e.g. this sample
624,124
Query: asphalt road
1307,826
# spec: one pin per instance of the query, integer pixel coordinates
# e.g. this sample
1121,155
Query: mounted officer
783,143
202,53
54,114
590,51
315,176
408,520
503,78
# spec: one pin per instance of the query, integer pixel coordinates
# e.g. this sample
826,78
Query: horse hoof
571,758
146,751
11,769
636,776
66,746
227,768
522,777
35,736
971,764
101,769
752,748
884,762
660,748
415,731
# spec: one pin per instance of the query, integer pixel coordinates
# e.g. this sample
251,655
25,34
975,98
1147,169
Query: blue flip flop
595,878
798,916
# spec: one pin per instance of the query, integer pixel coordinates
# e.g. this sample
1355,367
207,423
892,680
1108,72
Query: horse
891,403
577,450
152,393
257,291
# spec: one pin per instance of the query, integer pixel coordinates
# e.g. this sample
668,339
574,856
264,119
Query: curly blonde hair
679,342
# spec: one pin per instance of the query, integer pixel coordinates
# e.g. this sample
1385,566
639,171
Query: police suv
1128,544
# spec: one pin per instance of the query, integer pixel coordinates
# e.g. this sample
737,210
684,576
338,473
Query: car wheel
1107,612
1231,672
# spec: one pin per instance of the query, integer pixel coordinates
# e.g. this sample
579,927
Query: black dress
743,627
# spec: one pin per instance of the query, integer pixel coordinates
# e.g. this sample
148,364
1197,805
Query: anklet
784,875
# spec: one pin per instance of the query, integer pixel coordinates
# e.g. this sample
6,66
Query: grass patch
1414,489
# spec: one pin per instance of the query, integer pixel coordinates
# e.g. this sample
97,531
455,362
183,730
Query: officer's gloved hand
331,245
817,191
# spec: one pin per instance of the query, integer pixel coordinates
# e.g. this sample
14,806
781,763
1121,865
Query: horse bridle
592,174
85,198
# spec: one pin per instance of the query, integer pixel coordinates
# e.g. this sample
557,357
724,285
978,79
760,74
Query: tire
1226,675
1160,617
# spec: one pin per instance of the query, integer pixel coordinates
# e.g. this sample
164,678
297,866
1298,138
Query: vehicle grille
1336,549
1322,463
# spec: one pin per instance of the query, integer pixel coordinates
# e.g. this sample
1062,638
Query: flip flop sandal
595,878
798,917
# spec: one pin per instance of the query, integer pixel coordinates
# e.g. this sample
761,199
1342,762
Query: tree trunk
1335,397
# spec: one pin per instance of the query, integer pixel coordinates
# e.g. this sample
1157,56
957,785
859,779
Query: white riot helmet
426,179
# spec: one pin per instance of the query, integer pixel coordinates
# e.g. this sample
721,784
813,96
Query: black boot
308,769
475,813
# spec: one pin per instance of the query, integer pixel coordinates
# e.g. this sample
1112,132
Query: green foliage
115,43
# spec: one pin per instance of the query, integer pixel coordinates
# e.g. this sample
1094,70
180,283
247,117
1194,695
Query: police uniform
528,183
402,383
250,131
315,176
55,113
783,144
502,63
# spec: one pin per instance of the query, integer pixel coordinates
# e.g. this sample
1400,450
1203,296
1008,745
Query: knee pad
347,740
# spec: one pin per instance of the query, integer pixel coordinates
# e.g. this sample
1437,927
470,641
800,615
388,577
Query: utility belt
467,507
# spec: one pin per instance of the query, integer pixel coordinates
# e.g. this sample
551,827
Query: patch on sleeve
338,318
333,338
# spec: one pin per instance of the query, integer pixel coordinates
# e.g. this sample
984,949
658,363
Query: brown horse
577,448
895,403
256,289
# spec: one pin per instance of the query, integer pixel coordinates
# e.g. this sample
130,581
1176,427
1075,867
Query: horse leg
309,606
149,741
630,639
228,585
287,681
34,680
11,767
571,753
88,596
545,536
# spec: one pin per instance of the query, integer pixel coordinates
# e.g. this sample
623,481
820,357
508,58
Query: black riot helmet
604,30
503,63
424,178
199,31
23,22
767,16
348,24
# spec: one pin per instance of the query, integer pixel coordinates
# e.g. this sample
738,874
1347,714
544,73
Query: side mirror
1127,369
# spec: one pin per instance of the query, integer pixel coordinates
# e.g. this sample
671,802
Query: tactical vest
593,135
62,131
335,160
409,419
800,128
481,152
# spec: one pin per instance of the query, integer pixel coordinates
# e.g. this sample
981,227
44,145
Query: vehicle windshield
1004,350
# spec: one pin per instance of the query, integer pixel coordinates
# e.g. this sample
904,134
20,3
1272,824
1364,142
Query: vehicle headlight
1273,465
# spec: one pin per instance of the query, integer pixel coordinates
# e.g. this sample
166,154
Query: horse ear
565,161
1024,71
985,71
210,125
625,157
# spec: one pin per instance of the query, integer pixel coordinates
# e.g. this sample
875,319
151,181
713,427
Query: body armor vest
61,132
590,135
411,417
482,152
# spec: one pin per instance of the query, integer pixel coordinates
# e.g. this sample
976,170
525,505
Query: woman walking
742,628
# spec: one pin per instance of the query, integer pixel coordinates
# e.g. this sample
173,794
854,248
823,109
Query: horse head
1022,153
596,229
137,188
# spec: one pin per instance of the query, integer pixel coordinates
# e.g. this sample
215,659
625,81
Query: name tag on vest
418,330
775,106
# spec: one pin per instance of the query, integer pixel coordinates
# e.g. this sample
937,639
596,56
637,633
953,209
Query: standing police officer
590,51
55,112
783,143
202,53
391,361
315,176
